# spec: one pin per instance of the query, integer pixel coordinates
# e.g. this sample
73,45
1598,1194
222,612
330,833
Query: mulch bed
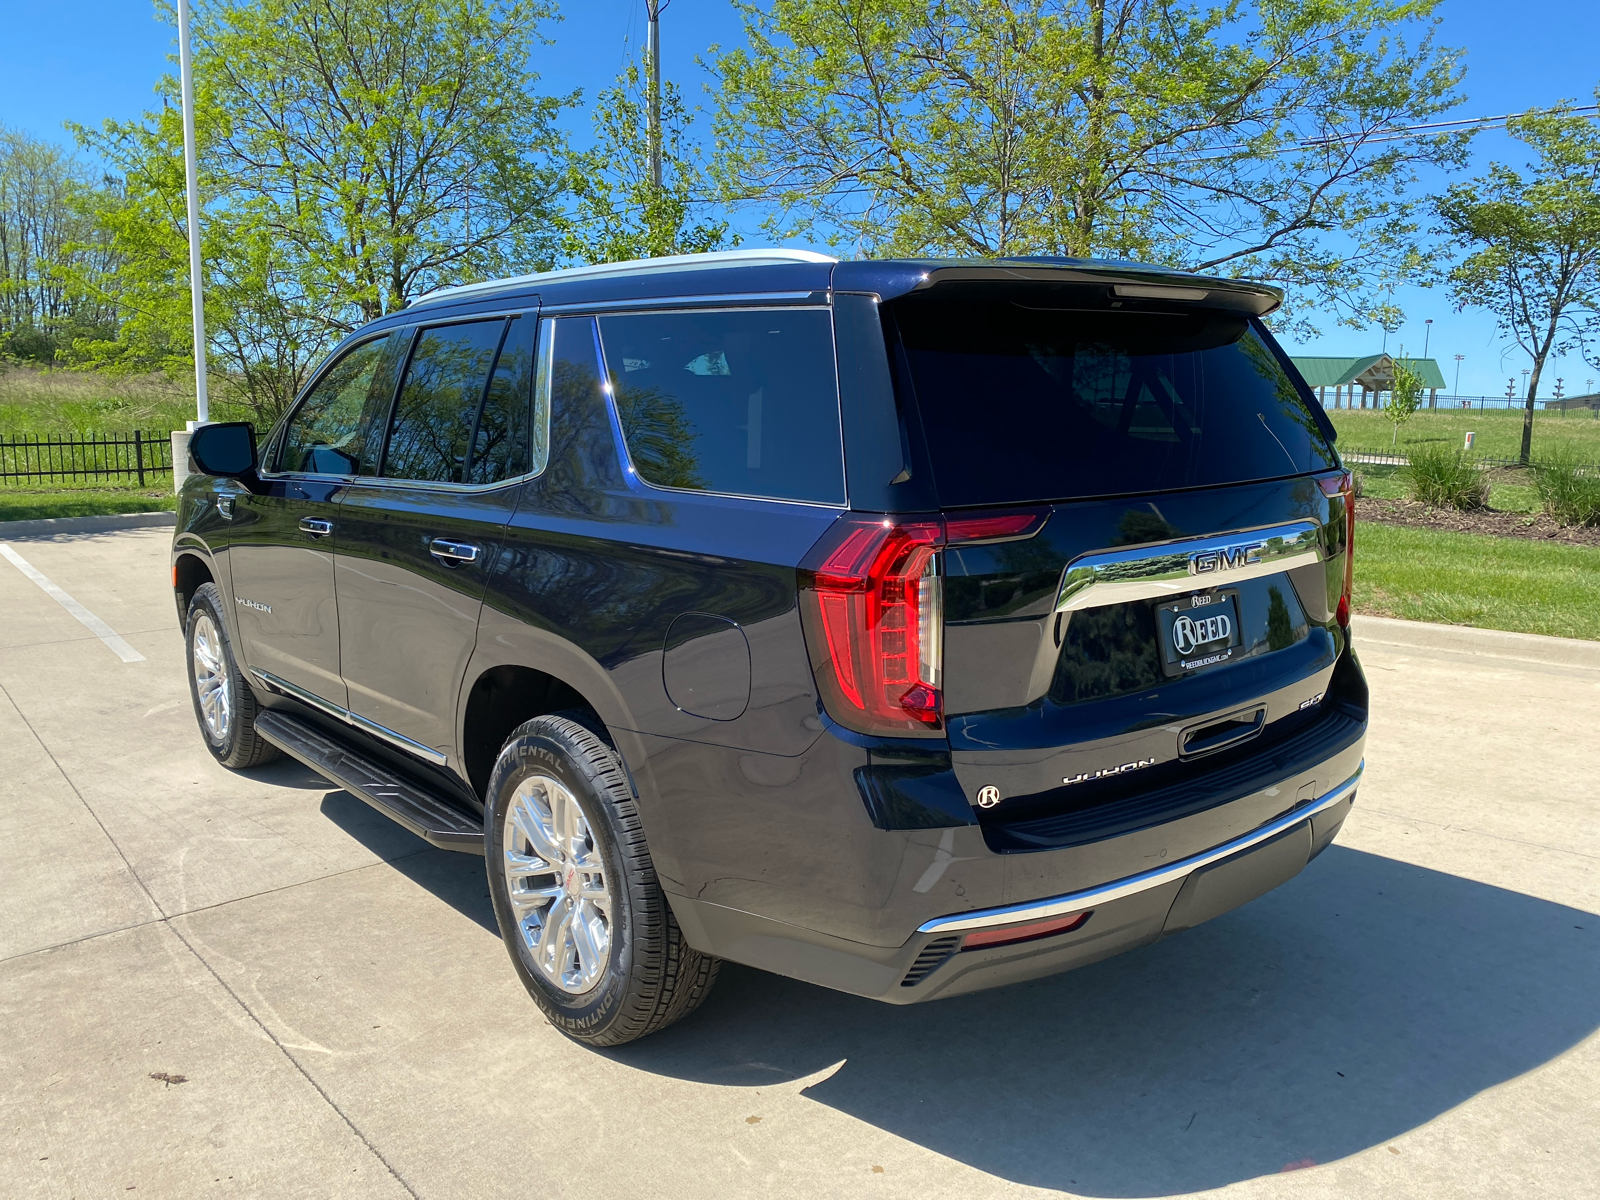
1535,527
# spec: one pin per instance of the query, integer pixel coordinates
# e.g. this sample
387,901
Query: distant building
1592,400
1372,377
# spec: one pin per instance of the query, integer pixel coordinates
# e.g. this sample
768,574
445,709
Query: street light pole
191,188
1457,392
1427,332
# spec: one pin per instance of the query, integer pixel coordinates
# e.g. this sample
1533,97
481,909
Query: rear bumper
1124,913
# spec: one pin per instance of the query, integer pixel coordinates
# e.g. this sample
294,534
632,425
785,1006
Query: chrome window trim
1072,902
1152,572
622,438
273,683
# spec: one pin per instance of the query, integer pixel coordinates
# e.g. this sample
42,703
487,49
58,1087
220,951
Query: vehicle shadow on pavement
1357,1002
453,877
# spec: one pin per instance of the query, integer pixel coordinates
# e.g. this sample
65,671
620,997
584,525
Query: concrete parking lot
1415,1015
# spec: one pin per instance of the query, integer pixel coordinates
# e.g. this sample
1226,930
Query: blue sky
85,60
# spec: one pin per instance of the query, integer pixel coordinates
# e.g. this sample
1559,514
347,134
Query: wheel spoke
526,820
553,938
590,955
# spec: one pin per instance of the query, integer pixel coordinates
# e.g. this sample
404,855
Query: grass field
1473,579
80,402
1499,431
28,504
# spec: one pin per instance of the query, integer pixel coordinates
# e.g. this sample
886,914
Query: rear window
744,402
1055,393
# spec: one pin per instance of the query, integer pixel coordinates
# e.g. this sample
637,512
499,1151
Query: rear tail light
872,608
1343,485
872,604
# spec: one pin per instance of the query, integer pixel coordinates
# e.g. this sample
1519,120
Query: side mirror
227,450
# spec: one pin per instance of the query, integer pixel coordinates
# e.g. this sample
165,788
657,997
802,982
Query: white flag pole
191,189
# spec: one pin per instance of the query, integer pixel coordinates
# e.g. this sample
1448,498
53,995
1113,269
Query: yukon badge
1107,772
1225,558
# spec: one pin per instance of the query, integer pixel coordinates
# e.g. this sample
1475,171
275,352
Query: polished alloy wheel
556,880
211,677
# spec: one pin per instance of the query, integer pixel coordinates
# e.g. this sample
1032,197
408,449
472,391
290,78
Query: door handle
448,551
315,526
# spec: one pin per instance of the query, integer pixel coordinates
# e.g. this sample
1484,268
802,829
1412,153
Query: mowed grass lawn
1473,579
28,504
1499,431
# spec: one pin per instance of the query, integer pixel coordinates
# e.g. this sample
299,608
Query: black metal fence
136,457
1399,458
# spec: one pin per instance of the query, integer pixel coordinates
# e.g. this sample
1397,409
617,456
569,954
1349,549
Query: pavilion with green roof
1373,376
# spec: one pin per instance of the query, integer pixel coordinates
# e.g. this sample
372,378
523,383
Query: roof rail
673,262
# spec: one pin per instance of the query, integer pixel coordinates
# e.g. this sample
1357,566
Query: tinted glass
584,461
332,429
437,410
1049,393
500,443
743,402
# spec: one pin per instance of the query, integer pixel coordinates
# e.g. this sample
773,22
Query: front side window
737,401
333,430
436,414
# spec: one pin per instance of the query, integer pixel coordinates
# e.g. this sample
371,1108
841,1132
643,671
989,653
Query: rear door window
1030,393
736,401
436,414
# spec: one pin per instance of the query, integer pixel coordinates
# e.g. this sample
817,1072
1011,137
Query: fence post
138,451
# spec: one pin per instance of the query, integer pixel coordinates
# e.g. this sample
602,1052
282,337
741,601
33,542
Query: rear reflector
1026,933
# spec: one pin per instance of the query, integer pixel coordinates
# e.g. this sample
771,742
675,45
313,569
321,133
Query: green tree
353,154
617,212
1533,238
388,146
1405,395
47,201
1260,136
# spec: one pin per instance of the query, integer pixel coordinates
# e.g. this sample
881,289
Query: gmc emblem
1228,558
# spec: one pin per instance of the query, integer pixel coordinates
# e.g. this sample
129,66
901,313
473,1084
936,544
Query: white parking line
91,622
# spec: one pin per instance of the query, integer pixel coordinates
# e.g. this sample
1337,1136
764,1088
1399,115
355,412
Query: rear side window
1032,393
341,417
436,414
741,401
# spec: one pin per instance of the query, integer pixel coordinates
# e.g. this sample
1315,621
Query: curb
103,524
1487,643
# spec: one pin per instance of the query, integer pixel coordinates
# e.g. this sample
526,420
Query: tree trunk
1527,411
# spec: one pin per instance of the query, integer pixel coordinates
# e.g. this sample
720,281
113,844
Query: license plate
1199,631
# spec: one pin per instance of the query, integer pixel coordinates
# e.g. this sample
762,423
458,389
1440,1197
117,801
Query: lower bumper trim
1053,906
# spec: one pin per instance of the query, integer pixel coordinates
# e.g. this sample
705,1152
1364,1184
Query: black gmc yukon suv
905,627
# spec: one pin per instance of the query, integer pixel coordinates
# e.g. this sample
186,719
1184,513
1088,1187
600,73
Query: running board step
423,813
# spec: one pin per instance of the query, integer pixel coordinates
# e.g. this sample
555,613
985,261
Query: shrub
1443,475
1568,489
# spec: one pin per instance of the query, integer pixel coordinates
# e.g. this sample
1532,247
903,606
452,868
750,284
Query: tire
224,705
589,930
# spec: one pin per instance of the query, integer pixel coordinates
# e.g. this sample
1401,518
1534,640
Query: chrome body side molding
382,732
1057,906
1173,568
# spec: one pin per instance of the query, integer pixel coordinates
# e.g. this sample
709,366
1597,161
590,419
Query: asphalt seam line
89,621
178,933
